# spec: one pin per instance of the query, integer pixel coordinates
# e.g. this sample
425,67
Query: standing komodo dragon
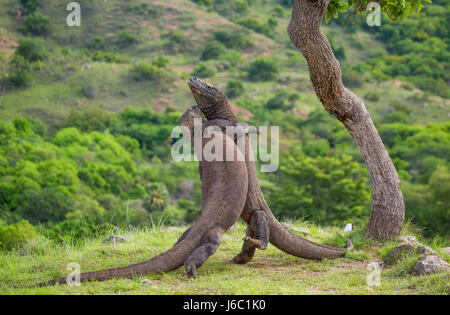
262,224
224,190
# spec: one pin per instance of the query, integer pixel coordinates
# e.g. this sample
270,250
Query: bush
44,205
203,71
32,49
263,69
161,62
279,101
233,40
234,89
19,72
125,40
107,57
147,72
29,6
258,26
97,43
36,24
16,235
213,50
94,119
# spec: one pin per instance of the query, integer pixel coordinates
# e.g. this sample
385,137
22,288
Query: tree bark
388,209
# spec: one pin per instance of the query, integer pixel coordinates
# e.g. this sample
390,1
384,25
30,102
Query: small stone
115,238
146,282
407,238
348,228
408,245
431,264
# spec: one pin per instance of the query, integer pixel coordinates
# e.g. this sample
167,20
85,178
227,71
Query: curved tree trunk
388,209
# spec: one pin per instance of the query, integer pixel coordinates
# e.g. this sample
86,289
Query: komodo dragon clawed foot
208,247
257,237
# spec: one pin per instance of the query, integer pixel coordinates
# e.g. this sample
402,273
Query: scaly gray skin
224,191
262,227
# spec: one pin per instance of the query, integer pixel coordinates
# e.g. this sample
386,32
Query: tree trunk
388,209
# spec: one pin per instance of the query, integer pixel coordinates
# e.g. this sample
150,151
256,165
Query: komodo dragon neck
212,102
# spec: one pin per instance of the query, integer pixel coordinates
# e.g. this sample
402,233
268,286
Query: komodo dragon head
212,102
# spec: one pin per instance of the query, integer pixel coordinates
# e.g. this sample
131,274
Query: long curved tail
165,262
298,246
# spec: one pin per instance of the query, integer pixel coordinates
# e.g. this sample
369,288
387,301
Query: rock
430,264
408,245
146,282
407,238
171,229
115,238
348,228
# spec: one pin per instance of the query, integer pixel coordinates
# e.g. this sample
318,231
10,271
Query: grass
271,271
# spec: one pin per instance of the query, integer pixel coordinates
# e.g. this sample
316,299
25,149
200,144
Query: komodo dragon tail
165,262
298,246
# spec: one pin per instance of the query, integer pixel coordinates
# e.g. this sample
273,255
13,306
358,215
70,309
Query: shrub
279,101
204,71
177,42
263,69
36,24
161,62
107,57
147,72
125,40
97,43
213,50
16,235
29,6
233,40
19,72
234,89
32,49
278,11
258,26
94,119
44,205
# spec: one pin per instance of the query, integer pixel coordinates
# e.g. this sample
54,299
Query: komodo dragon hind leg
259,223
208,247
257,236
248,251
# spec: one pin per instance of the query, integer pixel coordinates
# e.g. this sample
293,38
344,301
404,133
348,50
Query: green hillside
86,112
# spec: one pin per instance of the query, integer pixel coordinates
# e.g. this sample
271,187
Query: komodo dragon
262,224
224,190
